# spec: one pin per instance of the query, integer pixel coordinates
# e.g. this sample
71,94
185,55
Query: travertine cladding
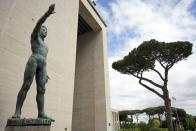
102,103
91,93
89,112
83,109
17,20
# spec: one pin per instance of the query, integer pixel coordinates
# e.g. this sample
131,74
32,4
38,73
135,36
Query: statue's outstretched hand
51,9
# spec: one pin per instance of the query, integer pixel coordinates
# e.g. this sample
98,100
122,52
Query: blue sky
104,3
192,8
114,43
132,21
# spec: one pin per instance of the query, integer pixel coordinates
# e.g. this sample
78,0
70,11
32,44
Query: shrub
135,129
143,126
190,123
155,129
179,128
128,125
158,129
164,124
154,123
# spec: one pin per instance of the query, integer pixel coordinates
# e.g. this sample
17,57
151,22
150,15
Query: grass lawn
135,129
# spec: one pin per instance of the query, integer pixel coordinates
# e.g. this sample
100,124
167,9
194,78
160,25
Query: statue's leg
41,79
29,74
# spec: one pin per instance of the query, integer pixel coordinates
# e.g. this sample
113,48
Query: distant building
115,120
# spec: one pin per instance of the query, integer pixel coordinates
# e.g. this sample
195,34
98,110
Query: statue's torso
39,50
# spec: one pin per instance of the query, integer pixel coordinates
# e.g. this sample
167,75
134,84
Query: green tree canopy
144,57
123,115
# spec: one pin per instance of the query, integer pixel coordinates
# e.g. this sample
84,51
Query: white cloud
164,20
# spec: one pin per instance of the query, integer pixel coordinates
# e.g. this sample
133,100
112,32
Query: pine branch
150,81
158,73
170,65
161,64
151,89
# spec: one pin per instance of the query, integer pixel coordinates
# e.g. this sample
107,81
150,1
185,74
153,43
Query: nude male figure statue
36,66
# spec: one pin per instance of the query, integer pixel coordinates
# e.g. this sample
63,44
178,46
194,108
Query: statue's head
43,31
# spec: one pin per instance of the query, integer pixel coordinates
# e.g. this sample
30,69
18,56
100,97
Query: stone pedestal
29,124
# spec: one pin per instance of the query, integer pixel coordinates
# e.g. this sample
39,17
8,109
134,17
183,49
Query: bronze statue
36,66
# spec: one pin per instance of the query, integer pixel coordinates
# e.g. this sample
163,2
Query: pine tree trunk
159,117
168,111
137,119
167,103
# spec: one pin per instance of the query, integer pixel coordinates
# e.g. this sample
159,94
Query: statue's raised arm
42,20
